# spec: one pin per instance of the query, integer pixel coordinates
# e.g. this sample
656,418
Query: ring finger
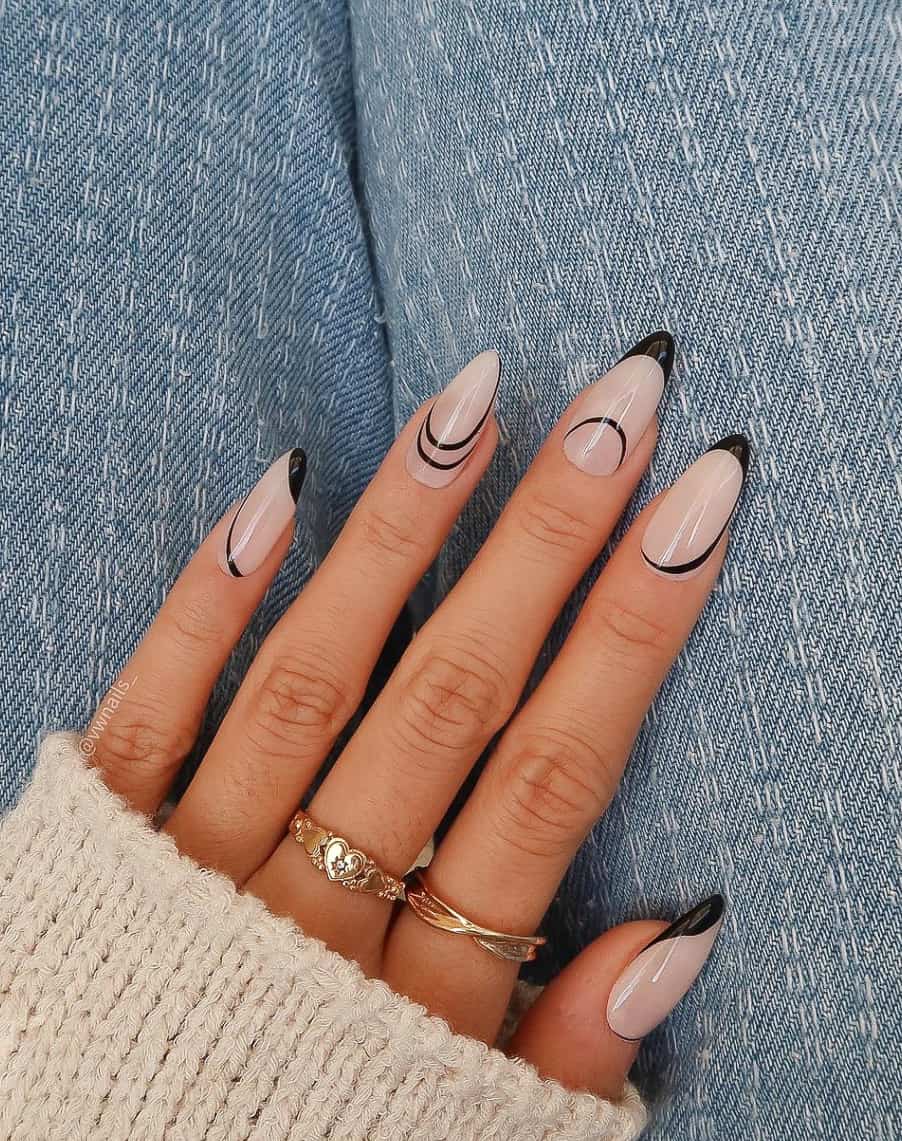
559,763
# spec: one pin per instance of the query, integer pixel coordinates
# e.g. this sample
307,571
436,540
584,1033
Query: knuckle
552,525
554,784
393,535
626,631
300,695
136,744
454,698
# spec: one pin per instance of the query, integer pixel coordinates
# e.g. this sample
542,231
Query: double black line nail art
452,445
451,429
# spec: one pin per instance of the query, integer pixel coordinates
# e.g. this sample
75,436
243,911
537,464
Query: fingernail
613,414
655,981
263,515
694,513
454,422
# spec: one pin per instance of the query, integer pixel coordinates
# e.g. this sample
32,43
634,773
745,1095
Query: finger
566,1035
584,1030
459,681
560,761
149,720
312,671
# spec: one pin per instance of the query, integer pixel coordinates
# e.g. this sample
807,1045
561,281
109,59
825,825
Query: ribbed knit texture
143,997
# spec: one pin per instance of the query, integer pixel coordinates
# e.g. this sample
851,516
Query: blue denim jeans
230,229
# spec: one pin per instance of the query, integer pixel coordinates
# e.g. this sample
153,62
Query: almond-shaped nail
614,412
263,515
450,430
692,516
655,981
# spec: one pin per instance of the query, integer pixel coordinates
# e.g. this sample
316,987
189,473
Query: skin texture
551,776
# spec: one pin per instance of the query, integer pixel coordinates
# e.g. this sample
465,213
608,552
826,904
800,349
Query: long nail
655,981
694,513
263,515
613,414
451,428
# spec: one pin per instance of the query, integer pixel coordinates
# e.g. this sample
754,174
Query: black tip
297,469
657,345
695,922
737,445
704,914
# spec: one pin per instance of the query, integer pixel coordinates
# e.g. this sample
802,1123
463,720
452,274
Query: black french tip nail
695,922
658,346
737,445
297,469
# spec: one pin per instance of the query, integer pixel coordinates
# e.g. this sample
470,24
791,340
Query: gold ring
343,864
434,911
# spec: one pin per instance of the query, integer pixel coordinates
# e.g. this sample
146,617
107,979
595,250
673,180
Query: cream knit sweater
143,997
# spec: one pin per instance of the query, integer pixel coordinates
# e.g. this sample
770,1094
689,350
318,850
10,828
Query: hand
558,760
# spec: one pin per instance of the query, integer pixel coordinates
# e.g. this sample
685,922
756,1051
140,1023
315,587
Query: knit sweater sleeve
142,996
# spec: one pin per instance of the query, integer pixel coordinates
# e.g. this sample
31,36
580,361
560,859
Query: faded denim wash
229,229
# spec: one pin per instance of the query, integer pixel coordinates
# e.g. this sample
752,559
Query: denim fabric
185,291
199,209
558,182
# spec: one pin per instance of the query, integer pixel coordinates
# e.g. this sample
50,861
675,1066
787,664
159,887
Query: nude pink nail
613,414
263,515
655,981
456,419
695,512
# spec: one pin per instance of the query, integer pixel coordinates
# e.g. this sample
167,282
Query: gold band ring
343,864
434,911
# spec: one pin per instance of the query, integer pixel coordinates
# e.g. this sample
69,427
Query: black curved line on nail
426,427
460,443
700,919
738,447
230,562
615,424
696,922
434,463
684,568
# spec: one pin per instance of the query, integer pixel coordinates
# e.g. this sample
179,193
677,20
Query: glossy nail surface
454,422
655,981
263,515
657,345
692,516
614,412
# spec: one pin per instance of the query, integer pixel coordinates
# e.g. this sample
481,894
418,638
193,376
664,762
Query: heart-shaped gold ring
344,865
